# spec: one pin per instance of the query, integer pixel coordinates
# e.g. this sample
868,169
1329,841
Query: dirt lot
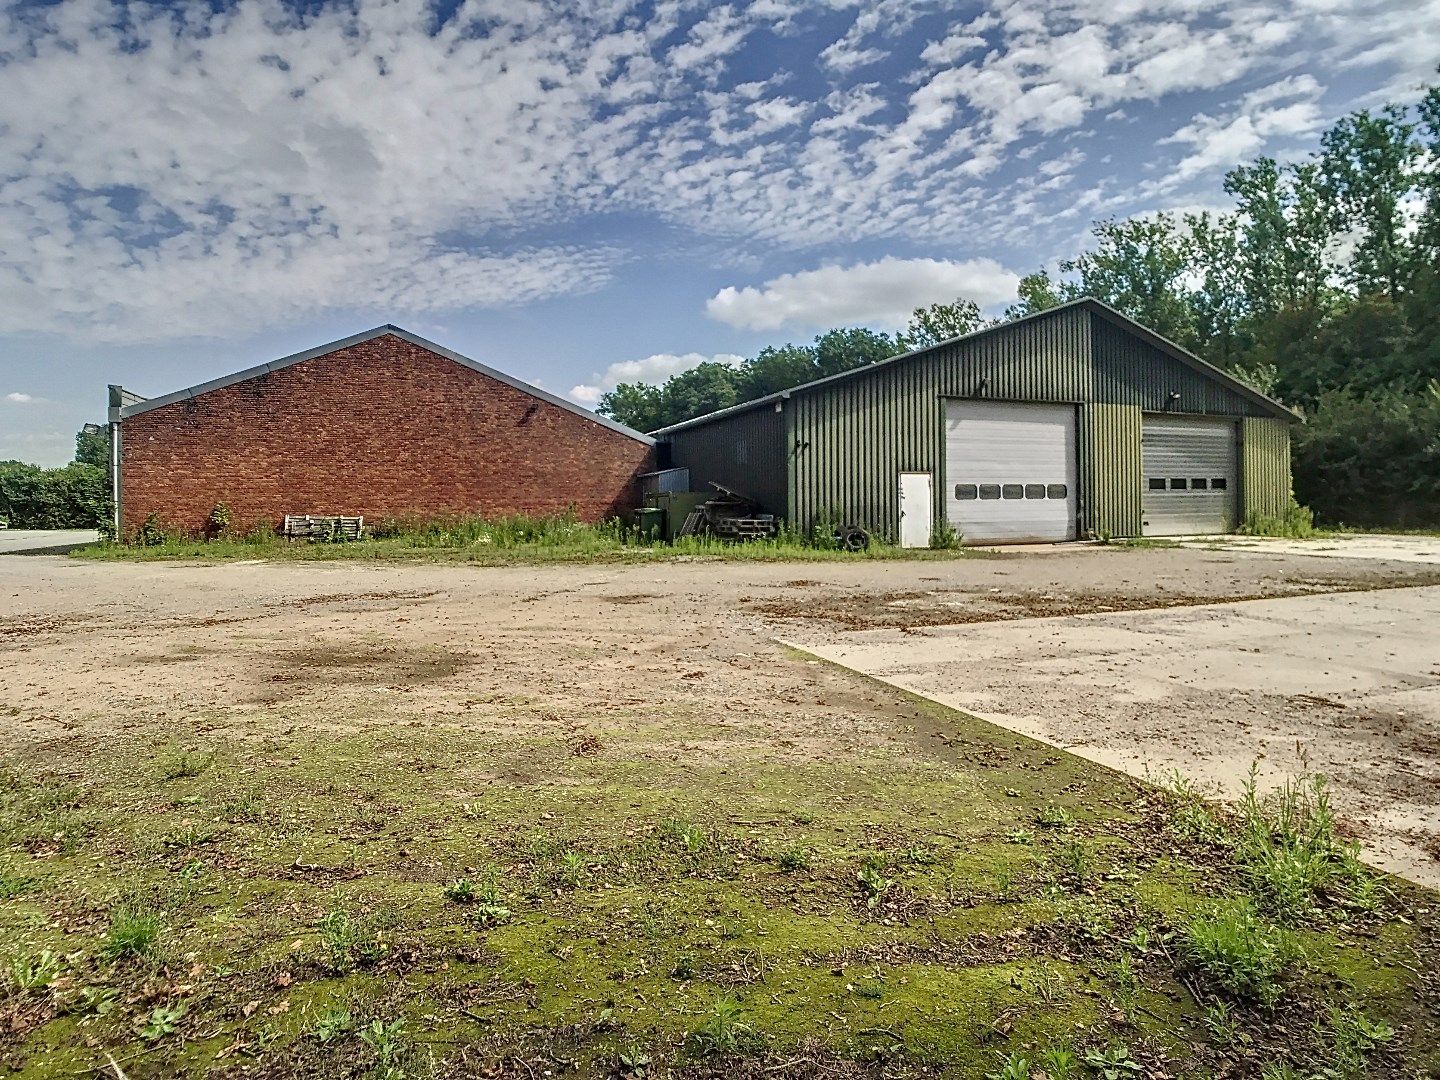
264,755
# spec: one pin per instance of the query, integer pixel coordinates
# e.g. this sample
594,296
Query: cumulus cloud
1282,109
17,398
881,293
652,369
189,170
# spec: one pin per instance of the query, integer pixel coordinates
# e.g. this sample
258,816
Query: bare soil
256,750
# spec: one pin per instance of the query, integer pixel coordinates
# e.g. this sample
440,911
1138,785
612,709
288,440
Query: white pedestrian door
915,509
1010,472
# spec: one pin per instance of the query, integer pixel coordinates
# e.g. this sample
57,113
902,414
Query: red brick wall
384,429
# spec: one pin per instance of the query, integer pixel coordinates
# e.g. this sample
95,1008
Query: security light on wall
1173,399
980,387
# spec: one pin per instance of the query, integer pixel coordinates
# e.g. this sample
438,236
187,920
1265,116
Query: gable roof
1098,307
134,405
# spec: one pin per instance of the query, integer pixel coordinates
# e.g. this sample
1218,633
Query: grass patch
134,932
517,539
373,900
1239,951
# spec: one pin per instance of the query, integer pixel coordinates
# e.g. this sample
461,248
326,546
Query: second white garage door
1010,471
1190,475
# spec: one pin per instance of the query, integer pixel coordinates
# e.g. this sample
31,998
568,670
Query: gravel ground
256,648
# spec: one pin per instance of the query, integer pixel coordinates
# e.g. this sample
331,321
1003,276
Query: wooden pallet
691,525
328,528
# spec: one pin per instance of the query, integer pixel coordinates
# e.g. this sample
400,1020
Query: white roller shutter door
1191,476
1010,472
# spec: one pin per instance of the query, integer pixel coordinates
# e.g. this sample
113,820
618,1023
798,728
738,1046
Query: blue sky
599,190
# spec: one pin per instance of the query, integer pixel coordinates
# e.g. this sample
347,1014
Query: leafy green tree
1139,267
1369,162
941,322
73,497
637,405
92,445
1037,293
704,388
1371,459
1218,298
775,368
1287,225
852,347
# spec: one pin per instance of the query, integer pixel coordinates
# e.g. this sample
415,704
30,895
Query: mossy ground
895,913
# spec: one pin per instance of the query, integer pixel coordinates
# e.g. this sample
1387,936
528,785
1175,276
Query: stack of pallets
332,528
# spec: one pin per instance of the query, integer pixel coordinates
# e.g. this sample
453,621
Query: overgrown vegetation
1321,287
369,904
516,538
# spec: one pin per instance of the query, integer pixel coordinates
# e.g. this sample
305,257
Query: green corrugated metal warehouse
1075,422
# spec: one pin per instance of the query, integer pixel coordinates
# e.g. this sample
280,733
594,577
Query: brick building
383,424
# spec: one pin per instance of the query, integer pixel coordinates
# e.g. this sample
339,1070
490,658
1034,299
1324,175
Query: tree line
74,496
1320,287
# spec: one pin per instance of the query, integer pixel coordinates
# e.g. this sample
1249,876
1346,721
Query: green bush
76,496
1371,459
1296,523
1239,951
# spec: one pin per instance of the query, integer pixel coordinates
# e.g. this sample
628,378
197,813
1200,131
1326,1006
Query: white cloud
1283,109
882,293
193,171
18,398
652,369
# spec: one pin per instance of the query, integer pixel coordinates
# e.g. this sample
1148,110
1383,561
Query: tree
92,445
776,368
704,388
852,347
1368,161
1037,293
1218,297
941,322
1287,225
75,496
637,405
1139,267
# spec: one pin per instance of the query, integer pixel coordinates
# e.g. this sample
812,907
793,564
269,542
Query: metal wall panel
1110,469
853,437
1191,475
745,452
1130,371
1265,483
846,441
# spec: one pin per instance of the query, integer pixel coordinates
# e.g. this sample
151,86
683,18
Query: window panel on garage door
1010,471
1191,475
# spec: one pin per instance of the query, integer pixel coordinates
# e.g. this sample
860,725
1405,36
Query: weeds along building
383,424
1072,423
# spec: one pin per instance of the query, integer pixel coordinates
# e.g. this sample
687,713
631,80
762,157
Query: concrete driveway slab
1344,684
1411,549
44,541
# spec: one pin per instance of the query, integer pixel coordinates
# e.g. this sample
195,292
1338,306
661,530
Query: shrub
1239,951
1296,523
1371,459
76,496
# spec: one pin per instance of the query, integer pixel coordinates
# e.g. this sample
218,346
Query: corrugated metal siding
1265,484
1110,482
744,452
848,440
1131,371
854,437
